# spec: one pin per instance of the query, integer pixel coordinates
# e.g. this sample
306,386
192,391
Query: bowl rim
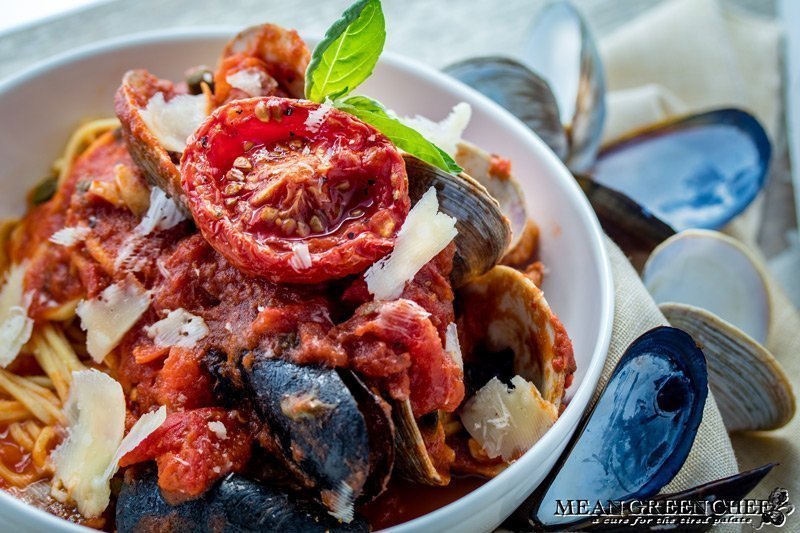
566,424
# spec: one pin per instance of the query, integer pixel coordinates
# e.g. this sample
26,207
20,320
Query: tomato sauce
405,500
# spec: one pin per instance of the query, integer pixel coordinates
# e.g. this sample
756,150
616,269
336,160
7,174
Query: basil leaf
347,54
406,138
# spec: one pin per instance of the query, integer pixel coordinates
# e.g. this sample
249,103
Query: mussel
711,286
331,442
483,230
234,504
638,434
561,49
698,171
524,93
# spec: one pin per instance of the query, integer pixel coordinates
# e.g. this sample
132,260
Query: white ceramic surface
41,106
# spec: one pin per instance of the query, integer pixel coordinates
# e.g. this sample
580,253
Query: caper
44,190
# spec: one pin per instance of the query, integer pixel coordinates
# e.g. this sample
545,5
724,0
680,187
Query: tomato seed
243,163
262,113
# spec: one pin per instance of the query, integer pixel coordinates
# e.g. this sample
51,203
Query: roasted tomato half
293,191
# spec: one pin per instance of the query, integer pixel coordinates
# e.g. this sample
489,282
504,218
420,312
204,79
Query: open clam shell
483,230
561,49
413,460
477,163
504,310
639,432
750,386
715,272
522,92
698,171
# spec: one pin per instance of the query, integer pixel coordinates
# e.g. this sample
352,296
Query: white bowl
42,105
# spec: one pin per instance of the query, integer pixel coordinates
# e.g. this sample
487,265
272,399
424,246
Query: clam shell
507,191
751,389
710,270
522,92
561,49
483,231
504,309
698,171
413,460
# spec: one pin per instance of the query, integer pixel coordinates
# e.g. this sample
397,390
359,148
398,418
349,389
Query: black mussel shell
235,504
639,432
518,89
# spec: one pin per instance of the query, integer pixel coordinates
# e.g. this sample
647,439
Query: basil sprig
347,54
343,59
406,138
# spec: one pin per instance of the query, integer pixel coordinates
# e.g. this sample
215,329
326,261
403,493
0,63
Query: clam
483,230
638,434
525,94
413,460
709,285
234,504
561,49
477,163
698,171
145,144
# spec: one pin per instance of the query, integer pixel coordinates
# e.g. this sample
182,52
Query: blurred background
676,56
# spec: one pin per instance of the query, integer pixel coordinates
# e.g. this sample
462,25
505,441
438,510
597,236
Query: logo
779,510
662,511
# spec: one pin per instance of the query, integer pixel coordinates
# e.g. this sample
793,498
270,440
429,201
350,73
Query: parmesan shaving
342,503
506,423
69,236
179,328
447,133
15,326
88,458
95,412
107,318
147,424
452,345
173,121
425,233
219,429
162,214
301,258
248,80
316,117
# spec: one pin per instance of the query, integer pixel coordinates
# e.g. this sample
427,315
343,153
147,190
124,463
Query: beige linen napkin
688,56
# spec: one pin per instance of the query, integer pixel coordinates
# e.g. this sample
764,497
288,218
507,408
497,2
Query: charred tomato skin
263,176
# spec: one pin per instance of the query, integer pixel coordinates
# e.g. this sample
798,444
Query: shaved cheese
179,328
341,503
69,236
219,429
452,345
447,133
162,214
107,318
248,80
425,233
301,258
15,326
173,121
508,422
147,423
316,117
95,412
88,458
